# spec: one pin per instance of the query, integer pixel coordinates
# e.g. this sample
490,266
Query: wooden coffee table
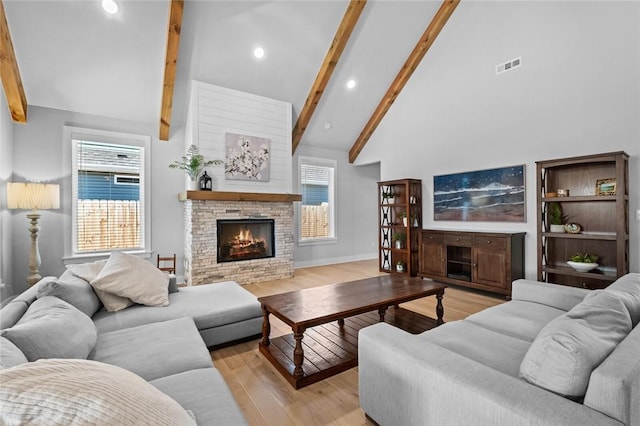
332,348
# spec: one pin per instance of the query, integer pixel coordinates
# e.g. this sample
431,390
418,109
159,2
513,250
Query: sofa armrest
406,380
559,296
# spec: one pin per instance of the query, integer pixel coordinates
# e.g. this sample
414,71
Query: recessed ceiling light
110,6
351,84
258,52
327,125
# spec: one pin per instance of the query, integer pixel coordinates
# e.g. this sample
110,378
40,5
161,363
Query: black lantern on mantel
205,182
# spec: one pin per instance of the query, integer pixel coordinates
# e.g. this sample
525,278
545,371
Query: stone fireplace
205,210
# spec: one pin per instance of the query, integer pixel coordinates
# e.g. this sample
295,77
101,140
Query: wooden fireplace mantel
237,196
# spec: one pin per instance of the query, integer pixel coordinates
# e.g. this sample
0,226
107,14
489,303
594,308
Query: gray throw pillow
173,285
74,290
88,272
52,328
627,288
570,347
10,354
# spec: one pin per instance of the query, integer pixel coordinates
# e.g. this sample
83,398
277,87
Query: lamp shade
33,196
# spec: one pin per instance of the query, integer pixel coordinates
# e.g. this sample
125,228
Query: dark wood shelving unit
604,219
407,198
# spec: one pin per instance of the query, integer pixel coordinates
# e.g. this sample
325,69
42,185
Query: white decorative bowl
581,266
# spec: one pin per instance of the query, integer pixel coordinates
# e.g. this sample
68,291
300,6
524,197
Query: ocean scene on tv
495,195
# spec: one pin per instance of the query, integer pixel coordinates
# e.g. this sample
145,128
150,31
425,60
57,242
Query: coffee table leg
298,353
440,308
266,326
382,311
341,322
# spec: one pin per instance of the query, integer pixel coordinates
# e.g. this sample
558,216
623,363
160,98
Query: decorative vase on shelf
192,185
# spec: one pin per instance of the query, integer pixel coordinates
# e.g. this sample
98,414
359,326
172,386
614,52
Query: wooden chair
167,264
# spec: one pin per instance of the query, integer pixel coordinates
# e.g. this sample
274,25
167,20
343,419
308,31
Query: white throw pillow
570,347
80,392
136,279
88,272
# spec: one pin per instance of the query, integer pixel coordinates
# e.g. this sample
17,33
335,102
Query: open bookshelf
603,217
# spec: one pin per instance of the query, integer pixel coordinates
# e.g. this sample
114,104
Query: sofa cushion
566,351
519,319
89,272
627,288
558,296
154,350
83,392
52,328
129,276
205,393
615,383
210,305
73,290
479,344
10,354
12,312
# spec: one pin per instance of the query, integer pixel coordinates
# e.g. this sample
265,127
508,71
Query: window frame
333,197
71,133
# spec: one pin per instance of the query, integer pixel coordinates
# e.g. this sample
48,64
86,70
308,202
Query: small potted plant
583,262
556,218
193,163
403,215
399,238
387,196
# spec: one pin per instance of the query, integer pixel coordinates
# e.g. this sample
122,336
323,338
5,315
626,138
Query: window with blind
317,210
109,192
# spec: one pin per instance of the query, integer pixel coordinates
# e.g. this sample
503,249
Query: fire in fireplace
245,239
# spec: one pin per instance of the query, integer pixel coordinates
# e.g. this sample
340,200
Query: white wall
356,216
576,93
6,168
38,155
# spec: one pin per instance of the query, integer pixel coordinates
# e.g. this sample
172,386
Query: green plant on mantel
193,163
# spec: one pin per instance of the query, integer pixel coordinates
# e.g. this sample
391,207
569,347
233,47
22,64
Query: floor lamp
34,197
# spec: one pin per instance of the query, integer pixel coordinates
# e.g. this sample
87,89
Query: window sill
91,257
317,241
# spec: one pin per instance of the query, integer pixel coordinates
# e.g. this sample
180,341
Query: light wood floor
266,398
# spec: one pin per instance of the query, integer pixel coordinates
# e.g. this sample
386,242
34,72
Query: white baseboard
334,260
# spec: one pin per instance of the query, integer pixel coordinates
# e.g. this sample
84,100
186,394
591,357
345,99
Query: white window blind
109,192
317,210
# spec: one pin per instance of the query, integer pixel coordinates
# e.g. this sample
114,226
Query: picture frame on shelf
606,186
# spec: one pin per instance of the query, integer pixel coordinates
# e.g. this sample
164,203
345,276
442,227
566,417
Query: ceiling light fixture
258,52
110,6
351,84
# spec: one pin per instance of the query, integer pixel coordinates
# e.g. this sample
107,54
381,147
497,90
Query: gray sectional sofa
164,345
553,355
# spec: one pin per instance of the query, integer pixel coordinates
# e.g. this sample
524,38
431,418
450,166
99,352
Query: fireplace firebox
245,239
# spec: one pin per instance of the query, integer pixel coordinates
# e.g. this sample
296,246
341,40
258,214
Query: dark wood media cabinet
482,260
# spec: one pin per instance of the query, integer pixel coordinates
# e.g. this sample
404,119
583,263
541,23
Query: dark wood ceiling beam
435,26
171,59
10,74
349,21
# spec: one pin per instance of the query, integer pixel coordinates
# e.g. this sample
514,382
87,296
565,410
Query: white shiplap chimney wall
215,111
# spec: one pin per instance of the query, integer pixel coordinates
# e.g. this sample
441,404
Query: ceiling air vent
508,66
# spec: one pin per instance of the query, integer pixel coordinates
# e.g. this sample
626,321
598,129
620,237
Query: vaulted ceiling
73,56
